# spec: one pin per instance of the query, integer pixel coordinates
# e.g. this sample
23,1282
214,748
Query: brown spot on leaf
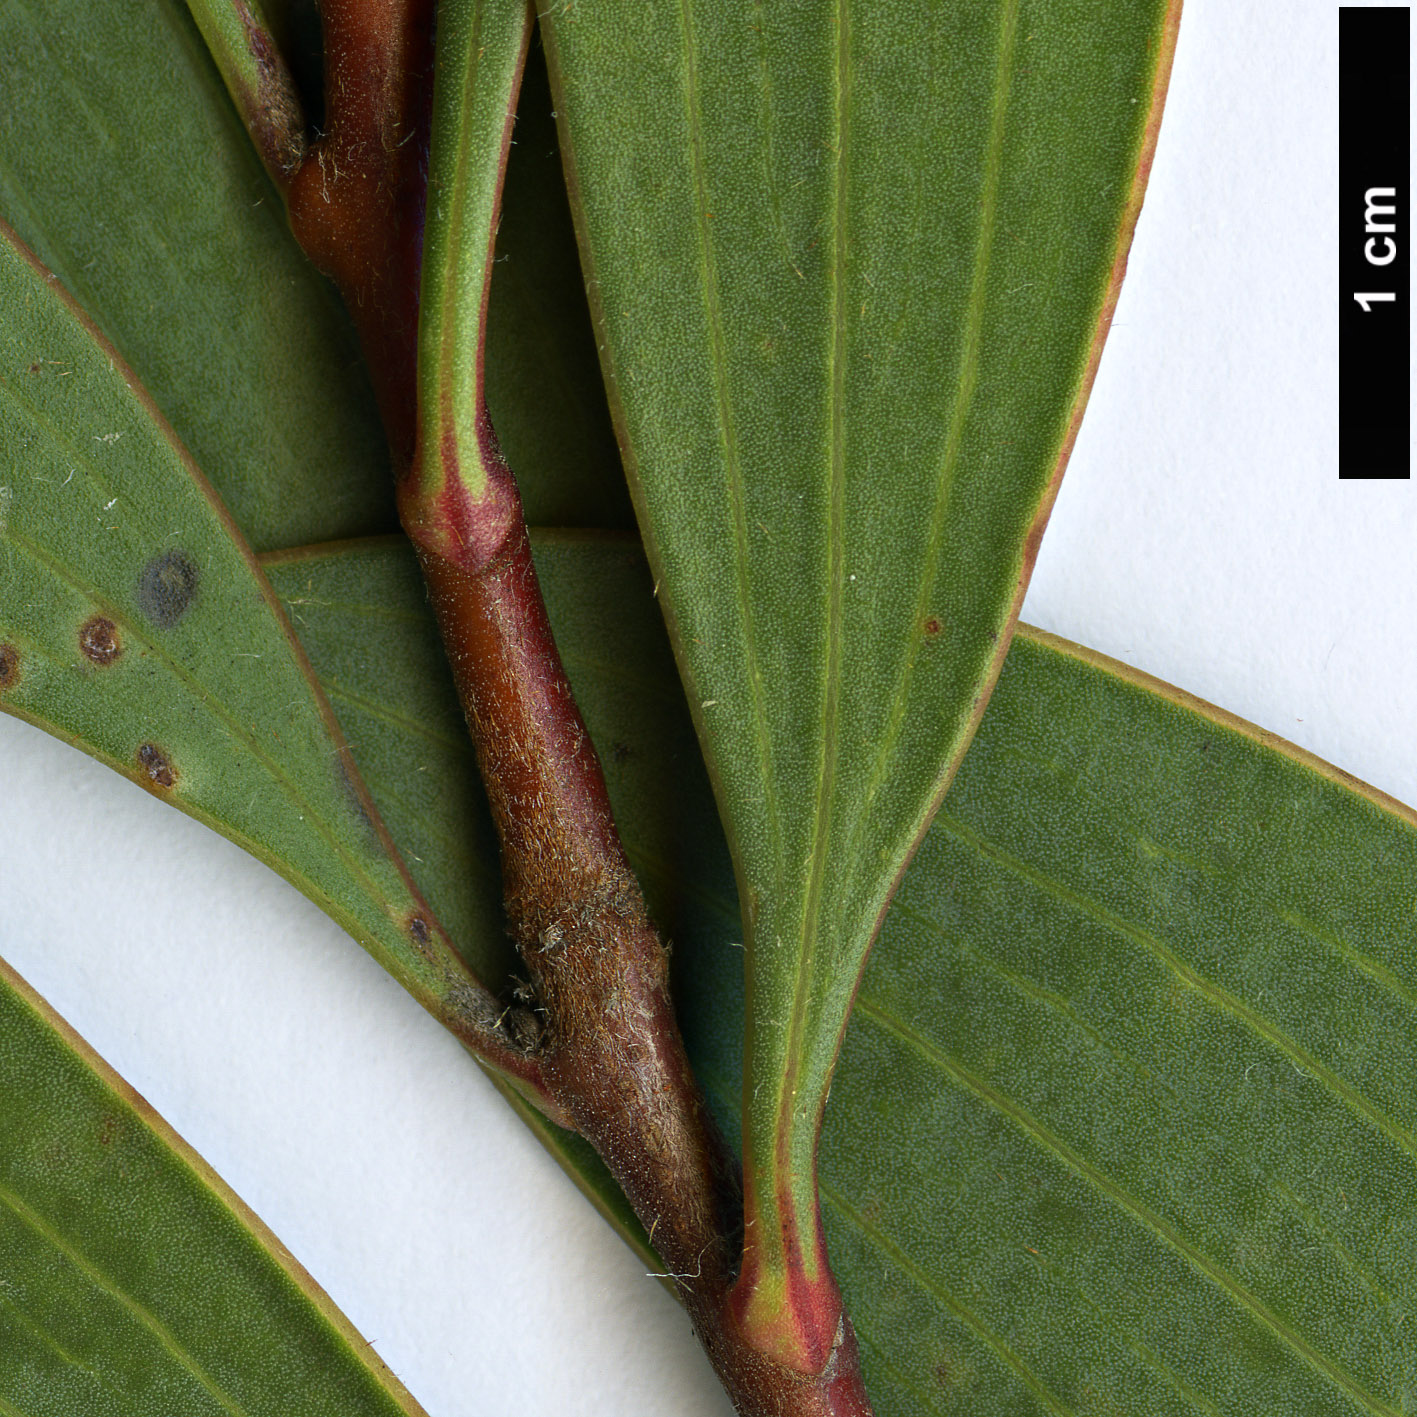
9,667
932,626
167,587
157,765
36,367
420,934
107,1130
98,639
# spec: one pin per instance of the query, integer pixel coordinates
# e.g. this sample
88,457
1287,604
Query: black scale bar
1374,235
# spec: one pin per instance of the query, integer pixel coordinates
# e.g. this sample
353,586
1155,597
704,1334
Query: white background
1201,534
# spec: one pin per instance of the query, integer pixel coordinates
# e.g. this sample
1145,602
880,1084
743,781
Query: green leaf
133,1281
1151,982
544,390
851,266
1125,1118
136,624
145,196
124,166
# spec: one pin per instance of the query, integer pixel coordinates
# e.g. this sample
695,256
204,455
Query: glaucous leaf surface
132,1282
134,623
1124,1121
851,265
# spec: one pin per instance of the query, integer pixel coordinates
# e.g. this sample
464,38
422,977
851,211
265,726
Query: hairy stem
609,1052
245,50
355,199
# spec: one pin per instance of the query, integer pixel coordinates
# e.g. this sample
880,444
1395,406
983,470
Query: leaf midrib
788,1130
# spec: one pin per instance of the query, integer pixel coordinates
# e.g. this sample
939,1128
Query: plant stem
255,73
355,199
356,203
610,1054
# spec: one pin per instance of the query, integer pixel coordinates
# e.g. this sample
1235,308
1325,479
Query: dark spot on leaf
36,367
932,627
106,1130
946,1373
98,638
420,934
166,588
9,666
157,765
346,774
619,752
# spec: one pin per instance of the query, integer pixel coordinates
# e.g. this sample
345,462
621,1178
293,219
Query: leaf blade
137,624
1122,1067
135,1281
1050,1183
850,308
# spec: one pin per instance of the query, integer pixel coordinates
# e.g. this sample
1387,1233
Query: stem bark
610,1053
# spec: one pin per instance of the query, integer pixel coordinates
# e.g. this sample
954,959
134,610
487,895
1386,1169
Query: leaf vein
144,1317
959,413
1302,1060
1049,1141
994,1341
1196,1118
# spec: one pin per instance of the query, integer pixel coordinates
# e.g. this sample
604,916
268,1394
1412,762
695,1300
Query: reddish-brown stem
609,1050
356,203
